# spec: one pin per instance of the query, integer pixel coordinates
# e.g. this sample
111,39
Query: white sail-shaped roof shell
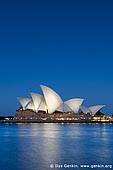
52,99
85,109
23,101
30,105
74,104
43,105
37,99
64,108
95,109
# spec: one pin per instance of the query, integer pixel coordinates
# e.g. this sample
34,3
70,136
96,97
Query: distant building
2,118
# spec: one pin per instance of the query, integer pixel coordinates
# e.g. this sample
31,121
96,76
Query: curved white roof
43,105
37,99
95,109
52,99
23,101
74,104
30,105
64,108
85,109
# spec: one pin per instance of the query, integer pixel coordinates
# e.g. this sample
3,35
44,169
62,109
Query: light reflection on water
36,146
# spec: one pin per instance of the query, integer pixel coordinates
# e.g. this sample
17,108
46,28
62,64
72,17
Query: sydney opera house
50,106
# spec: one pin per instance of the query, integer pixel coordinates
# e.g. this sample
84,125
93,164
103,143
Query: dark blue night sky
66,45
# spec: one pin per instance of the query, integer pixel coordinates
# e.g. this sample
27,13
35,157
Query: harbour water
56,146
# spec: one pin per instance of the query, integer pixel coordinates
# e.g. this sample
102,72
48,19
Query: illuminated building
93,109
50,102
50,106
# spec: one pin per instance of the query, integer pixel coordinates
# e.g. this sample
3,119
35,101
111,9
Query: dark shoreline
54,121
